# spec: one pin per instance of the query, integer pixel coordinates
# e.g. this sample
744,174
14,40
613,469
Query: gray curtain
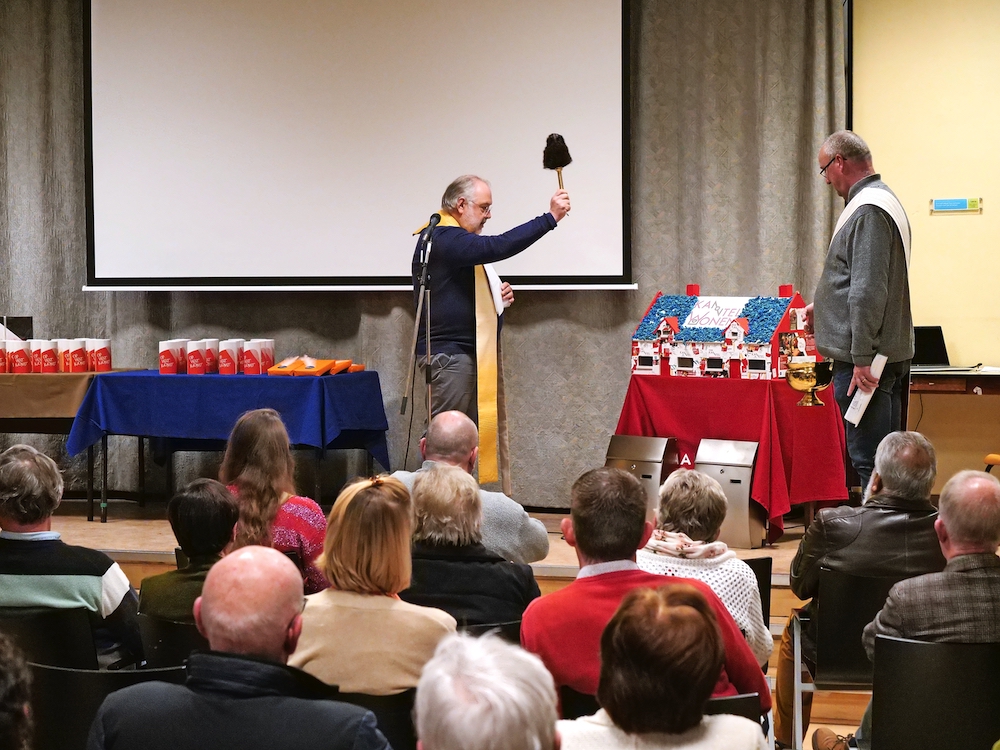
731,101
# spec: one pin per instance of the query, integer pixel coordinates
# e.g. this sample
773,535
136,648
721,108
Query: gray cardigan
862,302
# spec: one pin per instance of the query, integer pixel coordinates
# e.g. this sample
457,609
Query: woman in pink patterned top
259,469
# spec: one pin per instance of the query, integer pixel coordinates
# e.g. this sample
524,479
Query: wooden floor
141,541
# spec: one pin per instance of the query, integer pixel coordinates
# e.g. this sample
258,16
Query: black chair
64,702
57,637
576,704
167,643
935,695
762,567
846,604
508,631
393,712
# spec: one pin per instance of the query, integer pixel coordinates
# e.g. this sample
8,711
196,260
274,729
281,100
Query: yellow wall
927,100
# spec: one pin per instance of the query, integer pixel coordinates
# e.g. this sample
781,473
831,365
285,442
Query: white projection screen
299,143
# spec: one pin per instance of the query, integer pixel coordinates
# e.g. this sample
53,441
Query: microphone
425,236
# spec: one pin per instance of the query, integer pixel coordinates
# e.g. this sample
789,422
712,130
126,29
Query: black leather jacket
888,535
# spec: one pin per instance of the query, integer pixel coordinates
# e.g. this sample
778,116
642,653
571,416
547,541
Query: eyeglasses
822,172
484,207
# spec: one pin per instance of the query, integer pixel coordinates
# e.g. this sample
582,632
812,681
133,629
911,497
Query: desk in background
327,412
800,456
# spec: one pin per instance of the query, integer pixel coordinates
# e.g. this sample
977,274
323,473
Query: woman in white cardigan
692,509
660,659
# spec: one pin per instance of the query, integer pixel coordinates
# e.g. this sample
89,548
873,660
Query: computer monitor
929,348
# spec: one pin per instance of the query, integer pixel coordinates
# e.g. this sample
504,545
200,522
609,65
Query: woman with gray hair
452,570
692,509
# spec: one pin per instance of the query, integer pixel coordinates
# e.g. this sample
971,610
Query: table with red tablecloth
800,454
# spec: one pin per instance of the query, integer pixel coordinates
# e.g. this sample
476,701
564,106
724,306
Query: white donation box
731,463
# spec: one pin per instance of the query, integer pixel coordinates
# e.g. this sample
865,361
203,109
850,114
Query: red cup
168,358
77,356
18,357
196,358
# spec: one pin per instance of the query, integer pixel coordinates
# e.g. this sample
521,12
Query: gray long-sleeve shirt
862,302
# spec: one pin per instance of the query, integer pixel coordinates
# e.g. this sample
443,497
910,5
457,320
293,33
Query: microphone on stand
425,236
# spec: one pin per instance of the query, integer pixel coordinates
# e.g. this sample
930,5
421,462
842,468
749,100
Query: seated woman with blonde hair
358,634
452,570
689,519
259,469
660,658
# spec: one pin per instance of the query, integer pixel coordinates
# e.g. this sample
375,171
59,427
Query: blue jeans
883,415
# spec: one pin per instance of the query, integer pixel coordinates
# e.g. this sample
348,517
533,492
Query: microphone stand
423,305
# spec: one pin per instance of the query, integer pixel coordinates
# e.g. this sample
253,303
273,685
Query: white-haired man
241,694
485,694
961,604
452,438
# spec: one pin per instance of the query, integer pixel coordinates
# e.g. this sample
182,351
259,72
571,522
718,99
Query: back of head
202,516
849,145
608,509
692,503
451,437
249,601
661,655
30,485
367,545
259,462
15,695
485,694
970,510
907,464
460,187
447,508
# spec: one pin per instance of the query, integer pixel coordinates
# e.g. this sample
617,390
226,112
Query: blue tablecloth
334,411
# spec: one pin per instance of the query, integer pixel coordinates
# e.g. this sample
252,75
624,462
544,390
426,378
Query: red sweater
564,628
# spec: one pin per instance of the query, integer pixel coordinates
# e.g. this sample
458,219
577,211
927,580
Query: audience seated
660,658
692,509
485,694
359,634
452,570
15,696
259,469
241,695
203,517
452,438
607,524
37,569
961,604
892,534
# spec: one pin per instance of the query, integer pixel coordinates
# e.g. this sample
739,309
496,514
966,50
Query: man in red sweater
607,524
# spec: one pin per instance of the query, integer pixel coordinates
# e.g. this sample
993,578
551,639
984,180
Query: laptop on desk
930,354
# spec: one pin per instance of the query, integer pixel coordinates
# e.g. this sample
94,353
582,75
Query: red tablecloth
800,457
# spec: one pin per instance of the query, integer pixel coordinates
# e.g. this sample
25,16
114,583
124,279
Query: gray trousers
453,384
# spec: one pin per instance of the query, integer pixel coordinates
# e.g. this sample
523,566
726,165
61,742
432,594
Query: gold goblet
809,377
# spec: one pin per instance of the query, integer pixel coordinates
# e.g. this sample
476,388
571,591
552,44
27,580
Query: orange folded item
356,368
342,364
286,366
312,366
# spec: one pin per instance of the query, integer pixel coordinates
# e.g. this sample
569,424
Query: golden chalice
809,377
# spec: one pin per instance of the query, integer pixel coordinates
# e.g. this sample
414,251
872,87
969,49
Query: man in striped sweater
38,569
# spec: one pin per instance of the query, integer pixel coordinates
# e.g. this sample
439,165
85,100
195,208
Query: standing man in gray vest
862,302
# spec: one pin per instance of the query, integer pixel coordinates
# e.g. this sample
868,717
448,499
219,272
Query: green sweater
170,596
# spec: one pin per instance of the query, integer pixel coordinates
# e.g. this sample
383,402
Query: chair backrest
935,694
508,631
58,637
761,567
575,704
746,705
846,604
393,712
167,643
64,702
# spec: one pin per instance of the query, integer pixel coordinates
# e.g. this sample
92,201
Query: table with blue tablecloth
326,412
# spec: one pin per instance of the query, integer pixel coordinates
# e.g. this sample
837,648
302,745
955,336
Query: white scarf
885,200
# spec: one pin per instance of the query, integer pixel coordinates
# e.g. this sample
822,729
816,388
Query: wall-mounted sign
956,205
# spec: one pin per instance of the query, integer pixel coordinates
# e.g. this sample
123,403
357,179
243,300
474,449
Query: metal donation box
731,462
649,459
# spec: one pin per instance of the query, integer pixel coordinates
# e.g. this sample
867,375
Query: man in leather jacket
892,533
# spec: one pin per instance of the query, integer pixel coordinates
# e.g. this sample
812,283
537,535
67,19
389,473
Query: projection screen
300,143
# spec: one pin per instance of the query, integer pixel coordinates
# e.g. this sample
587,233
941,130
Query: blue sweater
454,255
